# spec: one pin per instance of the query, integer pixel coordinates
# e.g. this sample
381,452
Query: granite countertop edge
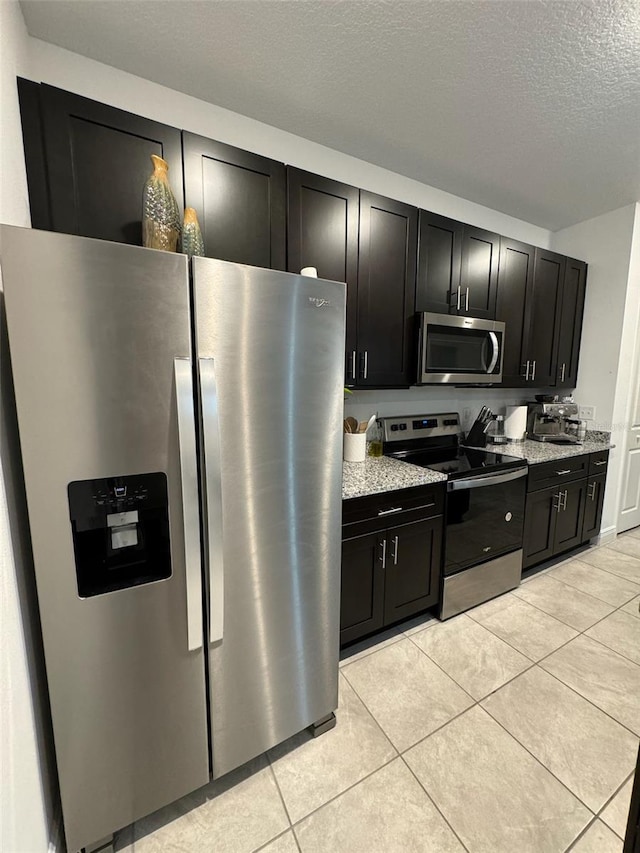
379,475
538,452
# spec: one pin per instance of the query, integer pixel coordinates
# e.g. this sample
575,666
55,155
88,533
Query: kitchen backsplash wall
432,399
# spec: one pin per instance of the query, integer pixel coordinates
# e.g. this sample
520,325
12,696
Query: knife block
477,436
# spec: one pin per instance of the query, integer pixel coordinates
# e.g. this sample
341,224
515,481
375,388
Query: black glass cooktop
459,462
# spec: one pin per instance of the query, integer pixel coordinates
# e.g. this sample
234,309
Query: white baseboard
607,535
55,833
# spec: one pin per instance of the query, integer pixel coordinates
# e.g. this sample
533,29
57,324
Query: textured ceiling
529,107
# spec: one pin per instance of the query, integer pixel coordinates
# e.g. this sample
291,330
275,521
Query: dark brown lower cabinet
553,521
412,568
567,514
391,558
593,507
539,526
362,587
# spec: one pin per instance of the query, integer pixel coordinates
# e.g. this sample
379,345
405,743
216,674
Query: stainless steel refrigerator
181,440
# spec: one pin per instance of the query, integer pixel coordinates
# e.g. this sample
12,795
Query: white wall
609,329
26,790
58,67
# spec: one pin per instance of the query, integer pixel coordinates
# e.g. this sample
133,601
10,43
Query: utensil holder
355,446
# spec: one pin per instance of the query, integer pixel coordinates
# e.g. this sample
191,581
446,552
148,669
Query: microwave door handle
190,508
496,352
213,496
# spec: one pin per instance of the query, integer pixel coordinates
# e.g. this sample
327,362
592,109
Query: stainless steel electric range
484,507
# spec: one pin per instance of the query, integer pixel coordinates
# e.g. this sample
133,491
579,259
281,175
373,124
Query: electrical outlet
587,412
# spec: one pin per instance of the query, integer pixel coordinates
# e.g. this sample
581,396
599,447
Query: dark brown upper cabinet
479,273
570,324
87,169
457,267
240,199
515,284
322,232
544,315
439,262
386,291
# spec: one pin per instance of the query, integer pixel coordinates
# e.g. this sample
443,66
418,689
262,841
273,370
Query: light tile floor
513,727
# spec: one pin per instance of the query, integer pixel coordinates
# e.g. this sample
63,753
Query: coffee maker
554,422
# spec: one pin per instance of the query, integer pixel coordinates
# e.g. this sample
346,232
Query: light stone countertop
382,474
376,475
536,452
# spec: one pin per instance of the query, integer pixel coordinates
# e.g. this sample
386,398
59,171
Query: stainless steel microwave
460,350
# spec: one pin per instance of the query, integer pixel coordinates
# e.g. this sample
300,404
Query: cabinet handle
394,553
592,495
392,510
526,372
366,364
353,364
533,371
560,473
562,371
564,500
601,462
383,556
466,301
458,301
556,506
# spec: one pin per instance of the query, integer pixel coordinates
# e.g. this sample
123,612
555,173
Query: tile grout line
275,838
531,662
282,800
433,802
593,595
611,799
372,715
340,793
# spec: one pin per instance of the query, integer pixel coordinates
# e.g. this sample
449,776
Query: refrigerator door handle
213,496
190,508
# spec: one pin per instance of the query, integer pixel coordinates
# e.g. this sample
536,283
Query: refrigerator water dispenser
120,531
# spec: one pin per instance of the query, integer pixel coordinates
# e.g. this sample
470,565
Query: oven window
457,350
483,523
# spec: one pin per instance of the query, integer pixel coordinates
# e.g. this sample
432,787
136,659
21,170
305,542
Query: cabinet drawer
555,473
598,462
377,512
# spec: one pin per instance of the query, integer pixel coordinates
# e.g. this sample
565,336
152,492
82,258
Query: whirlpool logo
318,301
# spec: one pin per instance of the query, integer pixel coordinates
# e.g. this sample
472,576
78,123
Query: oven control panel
406,427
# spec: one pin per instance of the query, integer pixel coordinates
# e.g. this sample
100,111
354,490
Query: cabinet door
386,288
412,573
539,526
570,325
515,280
322,232
570,517
97,160
479,272
362,586
240,201
439,263
544,314
593,507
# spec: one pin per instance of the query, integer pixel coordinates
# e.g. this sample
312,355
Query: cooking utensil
364,425
350,424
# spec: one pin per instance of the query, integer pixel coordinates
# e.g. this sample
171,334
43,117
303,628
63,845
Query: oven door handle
486,480
496,352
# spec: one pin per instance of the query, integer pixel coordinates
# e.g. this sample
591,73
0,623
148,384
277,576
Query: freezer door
100,347
270,348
